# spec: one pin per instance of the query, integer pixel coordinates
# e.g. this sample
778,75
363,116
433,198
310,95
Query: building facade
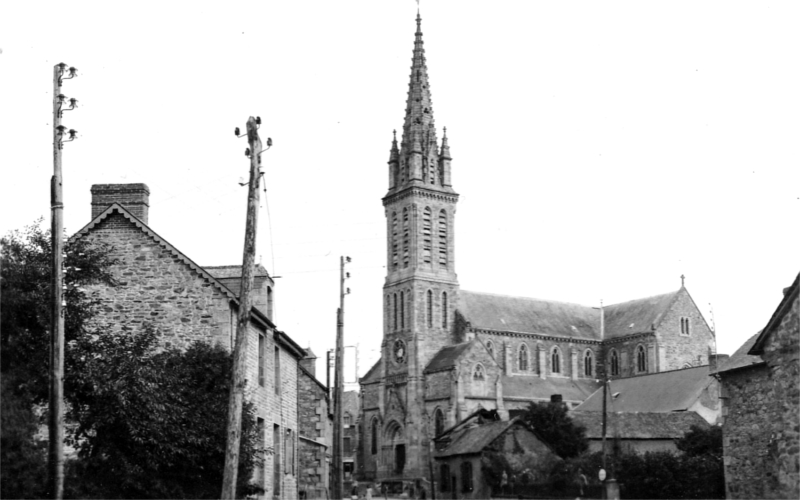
448,352
761,413
157,285
315,424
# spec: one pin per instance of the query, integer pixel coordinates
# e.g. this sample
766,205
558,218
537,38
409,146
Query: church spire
418,127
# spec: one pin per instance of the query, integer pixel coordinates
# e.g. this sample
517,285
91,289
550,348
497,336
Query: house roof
234,271
486,311
636,316
789,296
530,388
474,439
741,358
668,391
446,358
638,425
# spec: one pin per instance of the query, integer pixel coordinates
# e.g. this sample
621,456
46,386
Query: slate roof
636,316
530,388
472,440
503,313
669,391
446,358
790,295
741,358
638,425
234,271
374,373
486,311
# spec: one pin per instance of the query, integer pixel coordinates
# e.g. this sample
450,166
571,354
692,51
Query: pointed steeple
418,124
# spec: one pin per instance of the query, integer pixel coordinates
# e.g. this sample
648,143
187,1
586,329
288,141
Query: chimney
716,360
134,197
556,398
310,362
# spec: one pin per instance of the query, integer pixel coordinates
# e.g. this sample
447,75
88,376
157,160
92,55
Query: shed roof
669,391
474,439
741,358
638,425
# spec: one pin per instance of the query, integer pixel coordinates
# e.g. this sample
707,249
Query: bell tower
421,287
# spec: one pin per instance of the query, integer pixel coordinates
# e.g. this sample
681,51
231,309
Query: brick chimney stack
134,197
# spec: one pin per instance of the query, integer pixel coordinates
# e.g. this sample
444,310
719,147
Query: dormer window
684,326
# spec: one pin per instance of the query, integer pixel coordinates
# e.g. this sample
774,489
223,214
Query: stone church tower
421,286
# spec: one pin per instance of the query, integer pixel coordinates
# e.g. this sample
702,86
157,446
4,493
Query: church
447,352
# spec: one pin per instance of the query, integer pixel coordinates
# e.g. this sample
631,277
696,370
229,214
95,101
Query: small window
438,419
277,370
555,360
466,476
430,309
684,326
614,363
276,460
262,442
261,361
426,236
587,363
374,447
394,311
641,359
490,348
444,310
479,373
402,310
289,452
523,358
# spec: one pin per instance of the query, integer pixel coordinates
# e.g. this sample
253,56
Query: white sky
601,149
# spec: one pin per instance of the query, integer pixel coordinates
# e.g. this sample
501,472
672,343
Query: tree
701,441
553,424
152,424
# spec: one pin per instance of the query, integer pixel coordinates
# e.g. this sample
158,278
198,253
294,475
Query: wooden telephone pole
338,386
245,304
56,402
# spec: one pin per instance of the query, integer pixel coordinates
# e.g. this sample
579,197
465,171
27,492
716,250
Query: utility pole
234,429
338,382
56,403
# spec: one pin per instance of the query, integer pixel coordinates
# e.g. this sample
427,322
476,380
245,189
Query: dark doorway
399,458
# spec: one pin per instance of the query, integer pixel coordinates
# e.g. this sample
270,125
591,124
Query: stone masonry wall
677,350
745,440
156,287
313,449
782,355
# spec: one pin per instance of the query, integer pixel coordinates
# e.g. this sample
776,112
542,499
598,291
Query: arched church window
490,348
438,422
641,359
402,311
588,358
479,373
555,360
394,311
406,237
614,363
429,308
443,239
523,358
445,312
426,235
394,241
374,444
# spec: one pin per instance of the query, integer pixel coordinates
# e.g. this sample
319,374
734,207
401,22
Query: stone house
447,352
315,431
350,419
761,415
160,286
463,452
638,432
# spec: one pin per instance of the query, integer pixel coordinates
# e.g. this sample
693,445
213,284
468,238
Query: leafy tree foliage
153,424
146,424
553,424
702,441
